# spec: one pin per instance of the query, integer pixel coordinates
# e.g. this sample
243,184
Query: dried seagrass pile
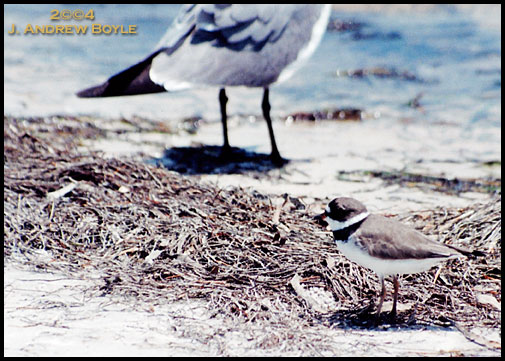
156,234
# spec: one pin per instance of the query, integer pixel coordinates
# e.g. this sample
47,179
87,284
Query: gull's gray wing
183,24
239,26
135,79
227,25
236,44
224,45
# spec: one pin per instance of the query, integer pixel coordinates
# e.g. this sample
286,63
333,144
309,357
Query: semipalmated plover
252,45
384,245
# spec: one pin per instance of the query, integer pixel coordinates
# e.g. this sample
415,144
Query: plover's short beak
320,219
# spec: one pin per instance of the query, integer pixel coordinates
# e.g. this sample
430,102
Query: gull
222,45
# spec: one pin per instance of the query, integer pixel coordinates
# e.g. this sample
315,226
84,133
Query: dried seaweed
156,234
427,182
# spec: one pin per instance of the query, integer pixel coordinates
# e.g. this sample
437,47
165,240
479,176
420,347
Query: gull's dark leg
223,99
395,296
265,106
383,295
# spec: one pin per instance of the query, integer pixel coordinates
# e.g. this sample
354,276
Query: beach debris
343,114
173,237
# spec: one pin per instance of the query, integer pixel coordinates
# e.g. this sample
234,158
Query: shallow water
455,58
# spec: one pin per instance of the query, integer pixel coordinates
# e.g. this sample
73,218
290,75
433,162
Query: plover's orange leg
396,285
383,295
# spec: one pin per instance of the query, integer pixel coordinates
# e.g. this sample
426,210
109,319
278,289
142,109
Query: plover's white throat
384,245
253,45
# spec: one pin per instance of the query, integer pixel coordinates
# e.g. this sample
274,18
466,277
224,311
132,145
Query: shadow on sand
365,318
209,160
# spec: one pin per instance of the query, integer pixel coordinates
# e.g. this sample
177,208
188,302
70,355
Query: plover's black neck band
344,233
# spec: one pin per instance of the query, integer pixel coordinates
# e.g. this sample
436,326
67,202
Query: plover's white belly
385,267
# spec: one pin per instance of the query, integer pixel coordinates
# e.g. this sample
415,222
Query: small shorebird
384,245
252,45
